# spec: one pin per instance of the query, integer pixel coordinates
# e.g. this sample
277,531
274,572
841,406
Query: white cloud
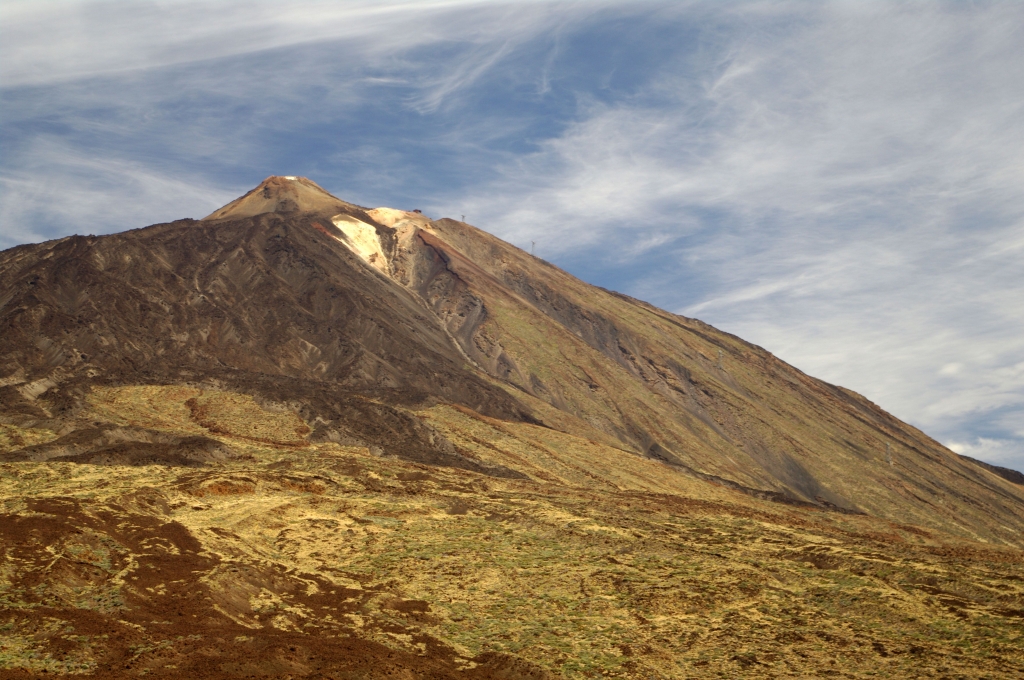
996,451
90,38
62,186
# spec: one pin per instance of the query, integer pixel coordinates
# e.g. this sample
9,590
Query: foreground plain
265,554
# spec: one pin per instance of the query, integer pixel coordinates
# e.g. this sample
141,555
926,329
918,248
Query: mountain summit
282,195
298,405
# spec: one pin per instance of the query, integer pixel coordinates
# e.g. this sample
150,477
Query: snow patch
290,177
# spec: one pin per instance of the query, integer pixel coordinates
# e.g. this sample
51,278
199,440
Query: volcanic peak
277,194
367,233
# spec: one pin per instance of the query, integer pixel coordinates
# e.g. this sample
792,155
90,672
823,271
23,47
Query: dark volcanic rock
268,295
108,445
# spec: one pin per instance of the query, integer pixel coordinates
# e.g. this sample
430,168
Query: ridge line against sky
839,182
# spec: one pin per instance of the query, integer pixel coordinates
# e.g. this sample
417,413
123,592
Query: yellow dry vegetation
238,415
187,410
598,565
13,437
551,456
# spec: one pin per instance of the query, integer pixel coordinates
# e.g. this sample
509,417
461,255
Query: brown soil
122,590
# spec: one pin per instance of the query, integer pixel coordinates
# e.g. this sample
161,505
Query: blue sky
840,183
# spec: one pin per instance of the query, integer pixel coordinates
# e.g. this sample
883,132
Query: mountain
293,294
410,372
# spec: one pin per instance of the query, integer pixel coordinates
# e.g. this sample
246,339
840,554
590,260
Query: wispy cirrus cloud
86,39
62,186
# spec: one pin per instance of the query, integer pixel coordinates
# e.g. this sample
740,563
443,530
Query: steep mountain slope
354,316
683,392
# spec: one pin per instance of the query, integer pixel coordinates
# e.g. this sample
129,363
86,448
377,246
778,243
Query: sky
841,183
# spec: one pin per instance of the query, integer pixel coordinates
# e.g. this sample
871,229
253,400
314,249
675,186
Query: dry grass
597,566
